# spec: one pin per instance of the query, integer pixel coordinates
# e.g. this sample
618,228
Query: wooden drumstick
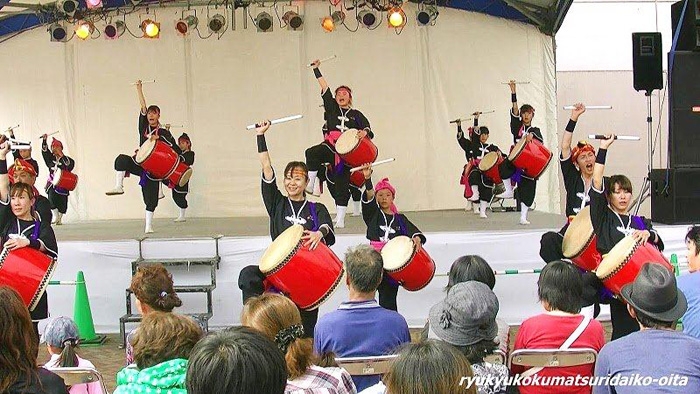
617,137
322,60
142,82
517,83
50,134
11,128
376,163
590,107
276,121
470,118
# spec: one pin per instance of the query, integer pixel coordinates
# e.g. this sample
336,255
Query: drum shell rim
136,158
492,164
357,143
580,250
407,262
620,265
183,181
284,261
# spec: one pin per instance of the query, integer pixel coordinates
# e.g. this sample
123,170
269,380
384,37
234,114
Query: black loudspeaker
689,36
679,202
684,122
646,61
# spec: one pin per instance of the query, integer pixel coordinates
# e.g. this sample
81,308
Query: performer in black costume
328,174
149,128
339,116
180,192
54,158
25,154
23,172
284,212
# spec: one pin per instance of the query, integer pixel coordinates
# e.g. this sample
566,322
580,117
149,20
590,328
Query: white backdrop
408,85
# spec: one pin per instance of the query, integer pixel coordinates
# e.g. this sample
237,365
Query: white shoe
524,222
179,220
116,191
483,216
58,220
339,225
149,230
476,209
504,195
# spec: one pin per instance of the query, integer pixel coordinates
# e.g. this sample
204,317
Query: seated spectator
162,345
237,360
279,319
62,339
466,319
690,284
657,350
427,367
19,349
153,288
472,267
360,327
559,289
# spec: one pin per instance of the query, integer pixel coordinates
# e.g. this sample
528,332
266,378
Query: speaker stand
645,190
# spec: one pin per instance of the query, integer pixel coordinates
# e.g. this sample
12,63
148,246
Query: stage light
264,22
150,28
84,30
294,21
216,23
92,4
427,15
397,18
58,33
114,30
328,23
184,25
67,7
367,18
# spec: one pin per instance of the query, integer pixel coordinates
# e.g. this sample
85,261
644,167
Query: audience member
19,349
360,327
237,360
162,345
656,351
559,289
690,284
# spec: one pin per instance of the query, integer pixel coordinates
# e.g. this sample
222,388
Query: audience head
429,367
471,267
692,242
364,269
237,360
278,319
466,318
153,287
619,192
19,345
654,298
560,287
163,337
62,337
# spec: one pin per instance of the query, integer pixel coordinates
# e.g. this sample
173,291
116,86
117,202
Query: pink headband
385,185
56,142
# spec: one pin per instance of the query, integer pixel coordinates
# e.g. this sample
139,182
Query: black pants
339,186
623,324
527,186
180,198
387,293
57,200
250,281
316,157
551,245
149,190
484,185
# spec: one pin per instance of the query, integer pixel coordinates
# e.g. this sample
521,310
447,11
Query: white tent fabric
408,85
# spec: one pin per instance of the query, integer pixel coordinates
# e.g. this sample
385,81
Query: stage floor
427,221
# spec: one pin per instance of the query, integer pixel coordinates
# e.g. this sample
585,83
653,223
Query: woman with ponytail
276,317
62,339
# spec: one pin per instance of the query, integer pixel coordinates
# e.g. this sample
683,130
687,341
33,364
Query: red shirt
550,331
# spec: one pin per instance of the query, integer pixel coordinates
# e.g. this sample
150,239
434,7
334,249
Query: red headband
583,146
56,143
21,165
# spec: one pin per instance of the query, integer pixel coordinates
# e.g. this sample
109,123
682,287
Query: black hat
481,130
655,293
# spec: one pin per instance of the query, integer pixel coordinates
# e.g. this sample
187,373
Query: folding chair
552,357
73,376
369,365
497,357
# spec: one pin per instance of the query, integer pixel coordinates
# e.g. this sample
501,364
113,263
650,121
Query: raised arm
321,81
568,136
599,167
515,110
264,155
46,153
142,98
4,178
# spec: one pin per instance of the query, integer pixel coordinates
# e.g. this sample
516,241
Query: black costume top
284,212
343,119
145,132
64,163
382,227
187,158
518,129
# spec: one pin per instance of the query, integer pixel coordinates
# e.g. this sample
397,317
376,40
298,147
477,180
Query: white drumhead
145,150
56,177
616,256
517,149
347,141
397,252
185,177
488,161
578,234
280,248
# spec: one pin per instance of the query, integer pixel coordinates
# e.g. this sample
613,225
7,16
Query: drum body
157,158
580,242
357,179
307,277
181,175
621,266
356,152
489,166
64,179
28,271
532,157
411,268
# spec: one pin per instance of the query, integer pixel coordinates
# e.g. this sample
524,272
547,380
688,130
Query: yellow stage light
84,30
397,18
150,28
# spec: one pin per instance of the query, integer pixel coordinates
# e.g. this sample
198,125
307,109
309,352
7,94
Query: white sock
149,220
340,215
182,213
482,208
508,186
54,213
312,180
475,193
523,212
357,208
120,179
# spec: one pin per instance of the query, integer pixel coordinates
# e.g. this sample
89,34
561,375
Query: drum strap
567,344
314,215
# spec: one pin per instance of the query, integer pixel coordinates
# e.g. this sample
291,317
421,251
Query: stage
104,250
